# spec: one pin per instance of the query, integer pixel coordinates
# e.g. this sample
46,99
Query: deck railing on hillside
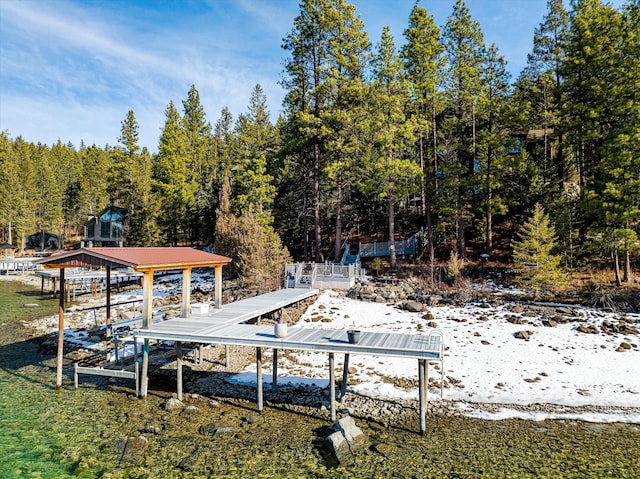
306,274
383,248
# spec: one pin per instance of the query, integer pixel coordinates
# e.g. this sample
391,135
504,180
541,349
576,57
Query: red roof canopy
140,259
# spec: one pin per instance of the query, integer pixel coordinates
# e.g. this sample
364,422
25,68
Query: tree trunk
430,233
434,191
627,268
461,239
305,218
316,200
616,265
338,243
423,193
489,234
392,242
489,216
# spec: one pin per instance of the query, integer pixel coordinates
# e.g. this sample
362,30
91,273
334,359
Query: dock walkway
224,326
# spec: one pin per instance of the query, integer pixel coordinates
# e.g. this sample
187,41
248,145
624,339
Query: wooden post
421,396
345,373
218,286
60,332
147,311
108,301
179,368
147,298
259,377
332,387
274,379
186,293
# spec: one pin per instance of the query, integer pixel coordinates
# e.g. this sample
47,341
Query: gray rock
346,439
131,449
151,429
587,329
338,445
412,306
173,404
191,412
523,334
252,419
215,428
351,432
515,320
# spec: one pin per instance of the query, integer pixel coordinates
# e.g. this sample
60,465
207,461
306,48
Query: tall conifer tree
423,60
464,46
392,173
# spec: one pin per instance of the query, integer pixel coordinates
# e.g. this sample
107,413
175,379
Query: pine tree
143,222
345,118
17,188
255,146
535,265
464,47
423,62
587,68
173,180
615,192
48,205
544,65
199,162
308,95
123,169
392,173
493,140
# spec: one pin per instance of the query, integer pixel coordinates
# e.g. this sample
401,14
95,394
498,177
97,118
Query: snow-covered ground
484,361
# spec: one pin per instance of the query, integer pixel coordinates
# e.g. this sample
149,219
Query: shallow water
57,434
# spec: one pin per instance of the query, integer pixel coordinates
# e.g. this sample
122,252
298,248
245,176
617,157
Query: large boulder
345,439
412,306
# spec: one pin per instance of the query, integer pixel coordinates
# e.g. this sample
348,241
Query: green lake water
46,433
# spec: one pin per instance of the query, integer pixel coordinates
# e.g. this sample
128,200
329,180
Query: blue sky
71,70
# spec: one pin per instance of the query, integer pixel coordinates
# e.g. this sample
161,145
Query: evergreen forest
416,132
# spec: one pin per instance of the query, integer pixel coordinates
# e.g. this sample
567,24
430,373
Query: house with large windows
108,228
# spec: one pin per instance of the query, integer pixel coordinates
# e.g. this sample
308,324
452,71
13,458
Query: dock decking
224,326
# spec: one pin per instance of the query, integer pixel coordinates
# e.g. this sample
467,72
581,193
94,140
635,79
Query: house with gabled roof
108,228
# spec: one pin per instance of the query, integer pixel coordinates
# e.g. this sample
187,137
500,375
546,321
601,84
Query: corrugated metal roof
140,259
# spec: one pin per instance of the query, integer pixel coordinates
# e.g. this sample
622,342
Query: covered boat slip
140,260
424,348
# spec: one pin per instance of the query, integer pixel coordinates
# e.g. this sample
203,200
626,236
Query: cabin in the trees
108,228
531,140
43,241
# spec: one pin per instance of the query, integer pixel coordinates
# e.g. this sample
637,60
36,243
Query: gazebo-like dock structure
140,260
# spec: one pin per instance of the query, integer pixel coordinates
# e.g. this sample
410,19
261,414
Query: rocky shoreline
209,379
